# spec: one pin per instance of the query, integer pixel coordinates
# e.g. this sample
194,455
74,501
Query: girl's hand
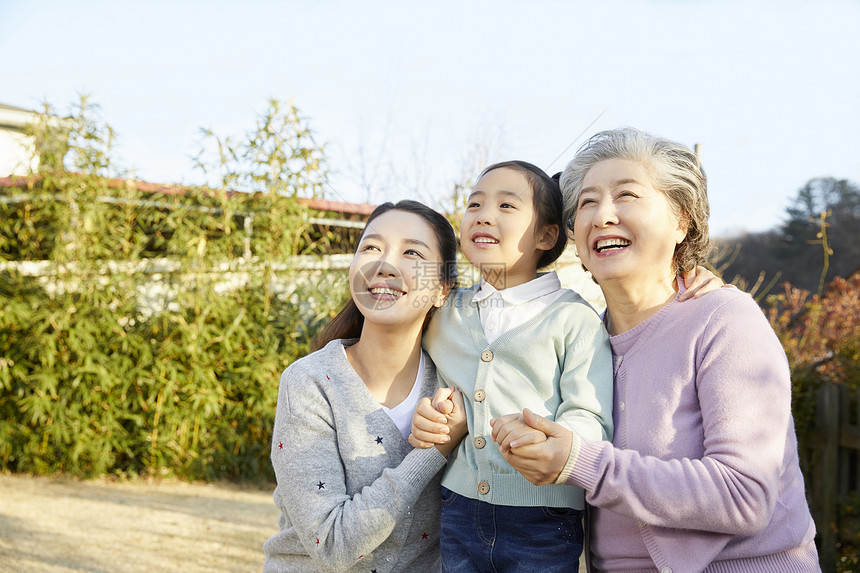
457,426
440,422
540,462
442,400
700,281
511,432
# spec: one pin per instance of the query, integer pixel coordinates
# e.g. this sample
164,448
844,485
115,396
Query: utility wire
587,127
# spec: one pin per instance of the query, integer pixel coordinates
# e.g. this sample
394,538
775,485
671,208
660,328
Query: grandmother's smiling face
625,229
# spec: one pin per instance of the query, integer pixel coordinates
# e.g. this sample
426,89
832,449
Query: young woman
353,494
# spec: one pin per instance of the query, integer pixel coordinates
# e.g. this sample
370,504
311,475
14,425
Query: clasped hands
536,447
439,422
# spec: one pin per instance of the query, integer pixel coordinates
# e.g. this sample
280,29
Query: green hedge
191,393
97,379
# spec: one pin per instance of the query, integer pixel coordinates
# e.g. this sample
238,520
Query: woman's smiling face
394,277
625,229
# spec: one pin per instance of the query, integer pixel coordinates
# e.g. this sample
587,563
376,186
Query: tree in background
80,141
821,337
279,156
792,253
748,262
154,343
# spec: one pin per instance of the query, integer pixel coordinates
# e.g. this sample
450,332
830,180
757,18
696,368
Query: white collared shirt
503,310
401,414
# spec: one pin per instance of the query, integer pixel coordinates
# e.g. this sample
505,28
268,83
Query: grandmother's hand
536,447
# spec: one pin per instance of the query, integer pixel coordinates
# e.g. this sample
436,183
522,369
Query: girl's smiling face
625,228
394,277
498,230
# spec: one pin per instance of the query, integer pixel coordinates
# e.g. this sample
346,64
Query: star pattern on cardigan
424,535
378,439
321,485
280,445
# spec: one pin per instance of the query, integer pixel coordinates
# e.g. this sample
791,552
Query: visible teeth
388,291
485,240
611,244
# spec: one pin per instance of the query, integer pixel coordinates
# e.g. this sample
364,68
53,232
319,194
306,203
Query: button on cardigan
558,364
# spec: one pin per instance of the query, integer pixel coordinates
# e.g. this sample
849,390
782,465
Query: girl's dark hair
349,321
547,201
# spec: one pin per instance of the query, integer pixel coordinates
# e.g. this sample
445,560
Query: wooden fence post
828,422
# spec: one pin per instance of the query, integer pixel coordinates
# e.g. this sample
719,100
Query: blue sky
405,94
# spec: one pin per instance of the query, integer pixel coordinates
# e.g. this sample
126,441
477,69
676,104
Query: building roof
4,106
17,118
318,204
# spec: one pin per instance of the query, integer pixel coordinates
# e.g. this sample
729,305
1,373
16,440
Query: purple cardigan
702,473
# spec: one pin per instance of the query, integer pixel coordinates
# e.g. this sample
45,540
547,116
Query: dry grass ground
59,525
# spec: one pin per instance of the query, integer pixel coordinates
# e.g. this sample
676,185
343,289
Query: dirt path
59,525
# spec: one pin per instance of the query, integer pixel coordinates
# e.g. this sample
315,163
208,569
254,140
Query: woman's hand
700,281
440,422
536,447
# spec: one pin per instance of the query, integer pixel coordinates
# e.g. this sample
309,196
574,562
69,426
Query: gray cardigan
353,494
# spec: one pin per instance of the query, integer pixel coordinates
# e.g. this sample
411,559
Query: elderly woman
702,473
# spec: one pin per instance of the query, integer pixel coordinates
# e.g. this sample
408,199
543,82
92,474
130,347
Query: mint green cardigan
558,365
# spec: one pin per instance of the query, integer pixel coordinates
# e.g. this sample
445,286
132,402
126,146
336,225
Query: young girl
516,339
353,495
